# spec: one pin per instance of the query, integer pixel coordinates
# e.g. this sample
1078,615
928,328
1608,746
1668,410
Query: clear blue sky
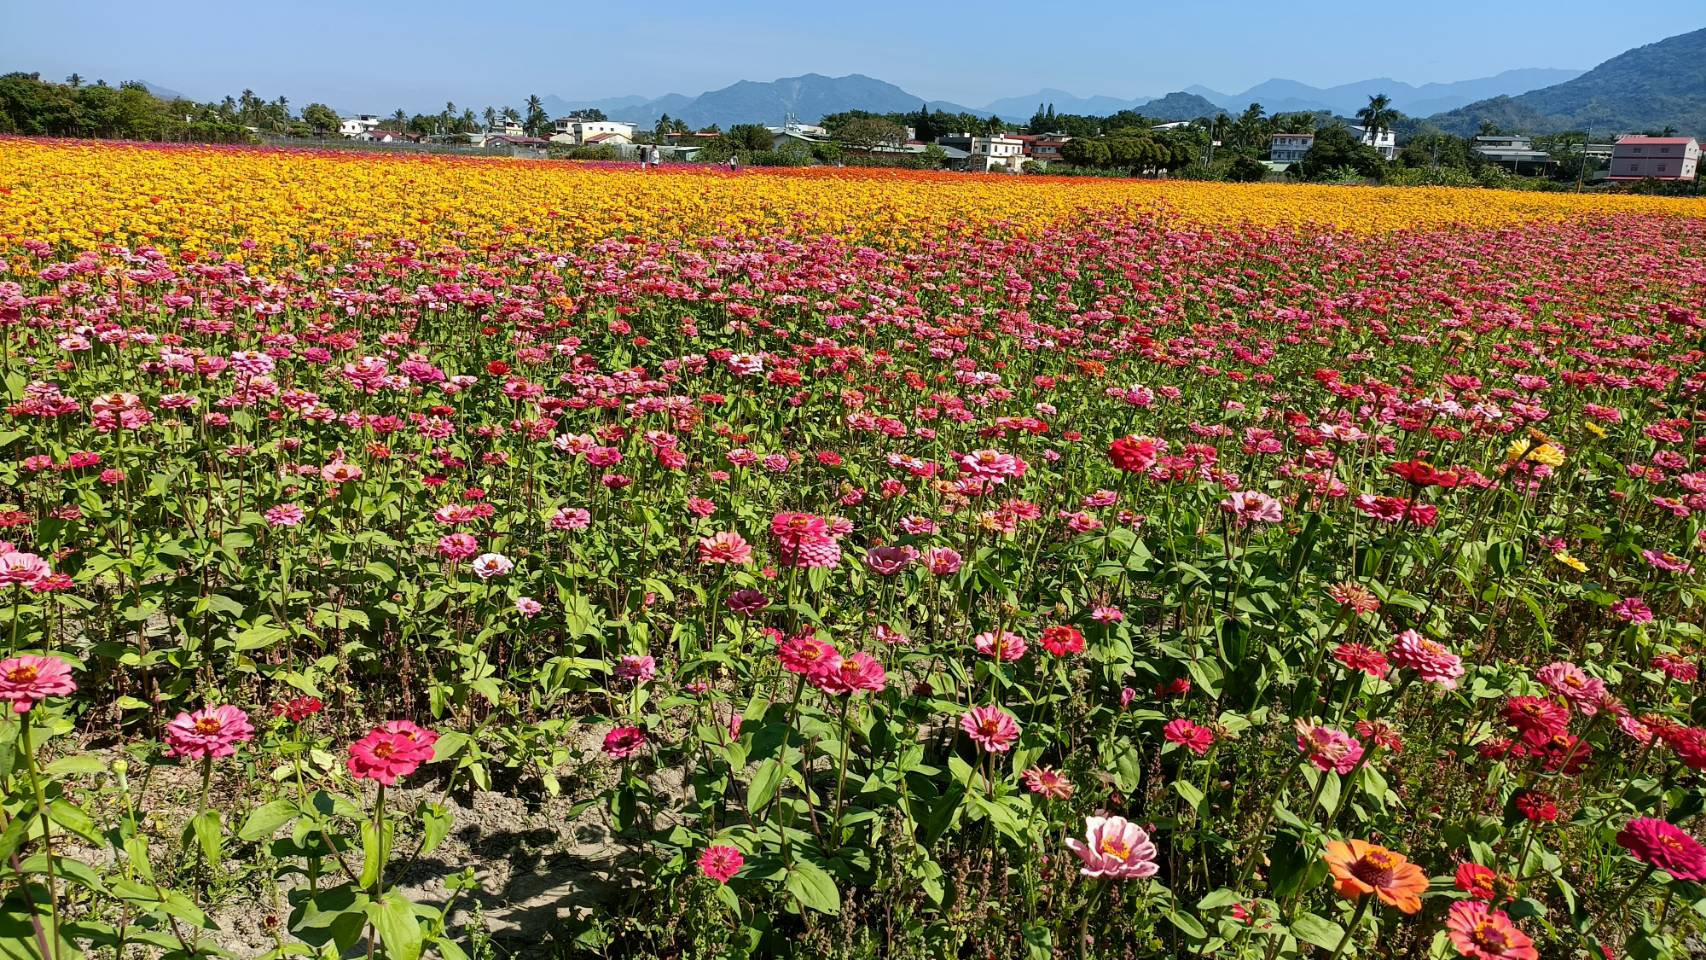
376,55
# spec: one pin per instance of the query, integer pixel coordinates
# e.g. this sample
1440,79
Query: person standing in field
654,155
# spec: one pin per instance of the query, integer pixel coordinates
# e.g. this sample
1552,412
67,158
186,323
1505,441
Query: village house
999,152
356,126
581,133
1289,148
1655,158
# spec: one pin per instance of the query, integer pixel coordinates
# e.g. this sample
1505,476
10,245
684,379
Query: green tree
1378,117
866,134
538,121
750,137
321,118
1335,147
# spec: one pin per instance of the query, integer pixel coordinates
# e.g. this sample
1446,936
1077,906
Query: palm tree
1377,117
401,119
536,117
491,116
76,79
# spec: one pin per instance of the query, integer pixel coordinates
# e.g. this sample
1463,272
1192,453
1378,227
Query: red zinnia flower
1665,846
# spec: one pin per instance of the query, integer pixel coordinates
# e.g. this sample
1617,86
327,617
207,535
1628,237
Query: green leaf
265,820
1189,793
398,928
435,825
72,818
372,858
1219,898
209,835
765,780
813,887
1318,930
81,764
1187,924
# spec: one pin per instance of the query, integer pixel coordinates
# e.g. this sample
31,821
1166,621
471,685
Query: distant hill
809,97
812,95
162,93
1290,96
1660,84
1178,106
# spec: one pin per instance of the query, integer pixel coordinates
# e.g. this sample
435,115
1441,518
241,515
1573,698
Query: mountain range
1651,87
811,96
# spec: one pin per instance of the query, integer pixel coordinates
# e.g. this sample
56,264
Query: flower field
881,564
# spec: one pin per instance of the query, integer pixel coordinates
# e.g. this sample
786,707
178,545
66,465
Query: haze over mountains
811,96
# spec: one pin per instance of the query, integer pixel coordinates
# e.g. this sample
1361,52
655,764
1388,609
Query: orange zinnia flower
1361,868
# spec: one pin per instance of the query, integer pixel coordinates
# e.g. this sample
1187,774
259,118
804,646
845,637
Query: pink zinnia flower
888,561
1431,661
1632,610
991,728
527,606
1573,684
1665,846
1480,932
570,518
1000,644
1136,454
747,601
942,561
637,667
208,732
1191,736
28,680
285,515
22,569
850,674
457,546
1252,506
1116,848
1106,615
395,748
726,547
624,742
721,863
1327,748
805,654
1048,782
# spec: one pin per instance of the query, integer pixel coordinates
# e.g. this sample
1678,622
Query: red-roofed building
1655,158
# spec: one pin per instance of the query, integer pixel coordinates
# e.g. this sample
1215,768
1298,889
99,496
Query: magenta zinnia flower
1191,736
26,681
393,749
721,862
992,728
624,742
1116,848
208,732
1665,846
850,674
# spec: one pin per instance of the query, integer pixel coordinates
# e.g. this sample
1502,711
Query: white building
356,126
1289,147
1386,144
573,130
1658,158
